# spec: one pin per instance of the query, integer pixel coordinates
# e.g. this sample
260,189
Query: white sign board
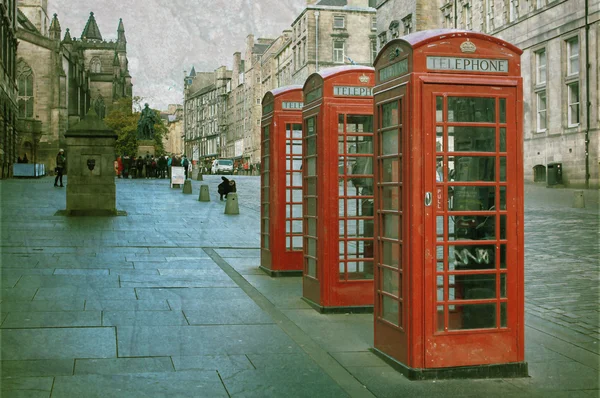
177,175
467,64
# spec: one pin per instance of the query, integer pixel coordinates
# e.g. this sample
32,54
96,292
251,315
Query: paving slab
127,305
60,281
71,292
211,279
22,344
558,376
140,341
224,364
18,294
202,294
229,312
143,318
385,382
24,320
26,386
37,367
113,366
203,263
306,382
124,271
43,305
245,253
78,271
364,358
330,330
142,385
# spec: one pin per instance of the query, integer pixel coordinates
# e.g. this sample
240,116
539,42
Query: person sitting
223,188
25,160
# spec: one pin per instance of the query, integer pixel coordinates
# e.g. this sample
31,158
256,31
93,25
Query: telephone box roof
285,89
424,37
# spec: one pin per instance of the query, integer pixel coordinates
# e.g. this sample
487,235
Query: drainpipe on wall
456,14
587,97
317,41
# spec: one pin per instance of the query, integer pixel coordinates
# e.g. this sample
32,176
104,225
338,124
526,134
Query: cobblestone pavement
169,301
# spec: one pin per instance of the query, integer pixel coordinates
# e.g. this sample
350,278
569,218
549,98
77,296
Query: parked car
222,166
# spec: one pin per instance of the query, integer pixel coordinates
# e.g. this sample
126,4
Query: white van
222,166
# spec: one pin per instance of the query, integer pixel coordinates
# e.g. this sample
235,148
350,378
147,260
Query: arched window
95,65
25,81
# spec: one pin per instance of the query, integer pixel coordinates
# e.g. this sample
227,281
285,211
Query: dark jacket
223,187
61,160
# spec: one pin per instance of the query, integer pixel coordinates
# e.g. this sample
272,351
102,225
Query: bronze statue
145,129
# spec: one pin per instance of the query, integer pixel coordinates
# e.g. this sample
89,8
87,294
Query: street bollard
231,206
204,194
187,186
578,200
199,178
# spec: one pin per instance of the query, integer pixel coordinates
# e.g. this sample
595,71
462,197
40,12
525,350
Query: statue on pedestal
145,128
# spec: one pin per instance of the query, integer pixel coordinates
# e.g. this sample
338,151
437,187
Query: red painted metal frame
416,343
279,259
326,291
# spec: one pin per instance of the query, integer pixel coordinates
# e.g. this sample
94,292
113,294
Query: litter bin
554,173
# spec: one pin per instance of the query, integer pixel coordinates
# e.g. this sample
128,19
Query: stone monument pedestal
90,151
145,147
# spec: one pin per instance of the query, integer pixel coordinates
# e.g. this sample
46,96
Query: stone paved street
168,301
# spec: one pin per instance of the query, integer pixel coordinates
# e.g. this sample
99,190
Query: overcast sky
166,37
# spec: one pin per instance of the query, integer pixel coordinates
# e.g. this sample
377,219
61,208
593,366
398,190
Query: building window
394,29
338,52
448,14
540,4
382,39
541,111
373,23
408,25
339,22
513,10
304,51
95,65
257,101
540,66
573,56
25,82
466,15
573,103
489,15
373,51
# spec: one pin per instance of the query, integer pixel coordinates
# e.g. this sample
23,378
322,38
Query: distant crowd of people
150,166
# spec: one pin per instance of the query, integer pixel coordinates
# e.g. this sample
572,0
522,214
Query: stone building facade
561,48
8,87
331,33
173,118
345,34
60,79
205,107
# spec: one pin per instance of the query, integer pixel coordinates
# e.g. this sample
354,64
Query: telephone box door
470,210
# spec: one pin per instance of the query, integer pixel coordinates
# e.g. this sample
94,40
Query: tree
124,121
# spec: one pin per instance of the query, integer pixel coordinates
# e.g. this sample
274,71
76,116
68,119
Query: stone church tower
61,77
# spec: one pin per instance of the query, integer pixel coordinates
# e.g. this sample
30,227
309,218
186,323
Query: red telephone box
281,182
449,206
338,189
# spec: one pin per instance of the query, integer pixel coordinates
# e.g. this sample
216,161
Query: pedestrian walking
119,167
133,167
148,165
61,162
126,163
140,167
185,163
